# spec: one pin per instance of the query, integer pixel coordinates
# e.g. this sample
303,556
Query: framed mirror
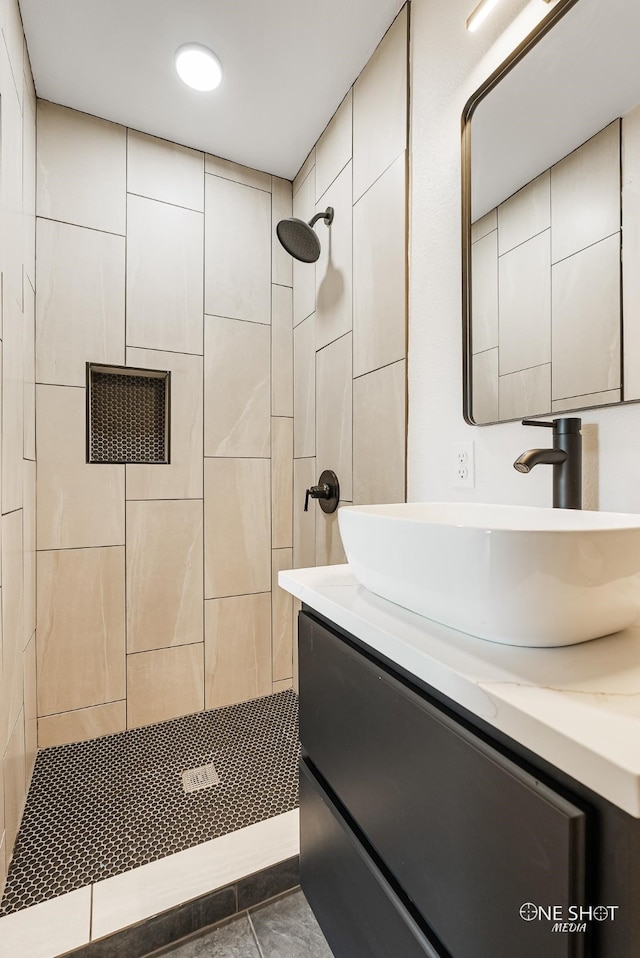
551,219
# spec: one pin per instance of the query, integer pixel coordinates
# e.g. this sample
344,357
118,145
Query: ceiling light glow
198,67
480,14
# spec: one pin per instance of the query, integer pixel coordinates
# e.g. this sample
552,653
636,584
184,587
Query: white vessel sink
510,574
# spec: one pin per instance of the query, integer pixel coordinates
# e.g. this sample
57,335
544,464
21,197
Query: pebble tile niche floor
99,808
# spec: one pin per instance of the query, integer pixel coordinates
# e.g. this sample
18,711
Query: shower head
300,239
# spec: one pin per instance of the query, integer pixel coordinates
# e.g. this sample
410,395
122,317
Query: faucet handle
563,425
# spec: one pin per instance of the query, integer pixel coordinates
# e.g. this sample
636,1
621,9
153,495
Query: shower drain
195,779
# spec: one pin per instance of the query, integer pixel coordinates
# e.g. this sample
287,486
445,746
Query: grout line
156,199
255,935
155,349
378,368
79,226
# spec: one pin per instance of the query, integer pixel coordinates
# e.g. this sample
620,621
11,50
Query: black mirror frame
545,25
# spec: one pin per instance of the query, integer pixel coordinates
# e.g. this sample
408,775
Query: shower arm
327,216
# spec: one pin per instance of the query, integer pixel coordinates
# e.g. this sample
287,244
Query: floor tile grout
255,934
115,803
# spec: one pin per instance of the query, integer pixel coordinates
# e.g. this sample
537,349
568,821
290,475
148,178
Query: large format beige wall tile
79,303
380,108
29,549
379,424
484,225
11,244
12,407
525,214
333,149
631,252
525,393
334,269
164,684
380,273
525,305
81,169
586,321
237,388
484,406
12,677
81,628
164,574
182,477
304,524
3,861
162,170
281,209
304,171
29,371
30,710
79,503
329,548
484,293
237,251
334,426
164,276
237,514
237,649
281,483
15,789
82,724
29,186
239,174
585,194
16,47
304,388
583,402
281,618
281,351
304,274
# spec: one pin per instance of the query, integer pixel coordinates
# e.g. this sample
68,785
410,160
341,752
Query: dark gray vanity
424,831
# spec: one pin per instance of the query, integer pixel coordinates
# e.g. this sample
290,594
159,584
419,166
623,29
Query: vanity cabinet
420,835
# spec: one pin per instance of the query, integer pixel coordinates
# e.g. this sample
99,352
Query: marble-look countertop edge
571,727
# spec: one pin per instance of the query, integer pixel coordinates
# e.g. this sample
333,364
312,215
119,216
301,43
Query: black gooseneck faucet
565,457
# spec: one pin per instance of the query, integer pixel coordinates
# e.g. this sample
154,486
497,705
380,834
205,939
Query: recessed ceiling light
198,67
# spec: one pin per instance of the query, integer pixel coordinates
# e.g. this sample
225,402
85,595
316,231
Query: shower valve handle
327,492
317,492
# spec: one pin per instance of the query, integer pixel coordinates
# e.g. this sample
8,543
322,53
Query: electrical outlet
463,465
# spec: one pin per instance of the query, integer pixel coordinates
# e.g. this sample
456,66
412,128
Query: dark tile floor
117,802
284,928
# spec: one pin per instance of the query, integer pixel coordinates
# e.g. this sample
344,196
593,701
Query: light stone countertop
577,706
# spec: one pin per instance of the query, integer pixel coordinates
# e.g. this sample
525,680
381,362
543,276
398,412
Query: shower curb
168,927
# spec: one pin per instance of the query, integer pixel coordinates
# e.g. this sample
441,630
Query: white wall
448,64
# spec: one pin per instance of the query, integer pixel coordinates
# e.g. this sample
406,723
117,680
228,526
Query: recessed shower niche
128,414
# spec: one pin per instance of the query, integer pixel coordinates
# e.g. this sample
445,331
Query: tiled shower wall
155,581
349,311
18,485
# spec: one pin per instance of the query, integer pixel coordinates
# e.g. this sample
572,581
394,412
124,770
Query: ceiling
287,65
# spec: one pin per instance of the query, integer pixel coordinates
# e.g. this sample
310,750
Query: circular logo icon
528,911
600,913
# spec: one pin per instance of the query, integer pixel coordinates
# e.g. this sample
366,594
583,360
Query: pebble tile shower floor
99,808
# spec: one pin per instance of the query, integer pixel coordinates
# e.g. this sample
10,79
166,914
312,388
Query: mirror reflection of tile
546,286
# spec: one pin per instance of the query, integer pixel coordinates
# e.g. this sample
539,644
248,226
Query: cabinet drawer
360,914
468,834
